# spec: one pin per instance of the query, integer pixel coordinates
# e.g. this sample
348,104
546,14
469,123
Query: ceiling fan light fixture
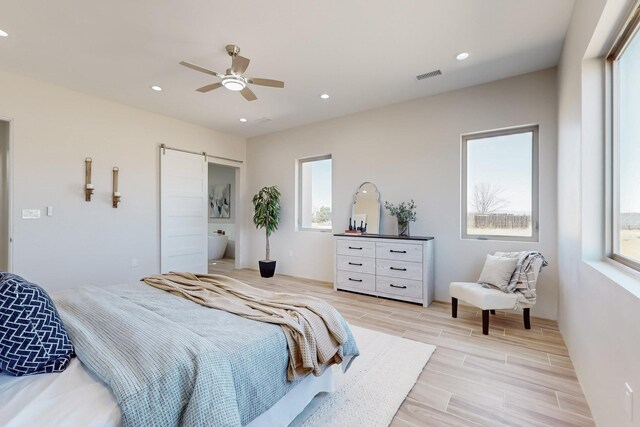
233,79
462,56
234,83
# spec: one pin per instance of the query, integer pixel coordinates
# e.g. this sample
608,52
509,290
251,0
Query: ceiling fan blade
210,87
239,64
248,94
266,82
199,68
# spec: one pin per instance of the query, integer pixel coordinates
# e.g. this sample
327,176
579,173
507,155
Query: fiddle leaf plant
266,212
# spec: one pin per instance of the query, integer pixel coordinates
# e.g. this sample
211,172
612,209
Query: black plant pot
267,268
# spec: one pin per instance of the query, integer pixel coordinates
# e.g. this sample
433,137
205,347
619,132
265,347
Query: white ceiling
365,54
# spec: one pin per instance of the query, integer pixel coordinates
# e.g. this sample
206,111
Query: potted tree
266,214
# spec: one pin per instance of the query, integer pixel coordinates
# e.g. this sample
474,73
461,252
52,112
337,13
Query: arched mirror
366,208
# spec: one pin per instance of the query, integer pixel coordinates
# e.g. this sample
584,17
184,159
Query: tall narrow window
625,60
500,185
314,198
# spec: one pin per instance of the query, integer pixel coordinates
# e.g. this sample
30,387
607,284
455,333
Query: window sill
620,274
513,239
316,230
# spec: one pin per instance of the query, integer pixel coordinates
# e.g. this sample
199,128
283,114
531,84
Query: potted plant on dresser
266,214
405,213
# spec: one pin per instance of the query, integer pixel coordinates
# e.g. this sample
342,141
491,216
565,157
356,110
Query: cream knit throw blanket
312,327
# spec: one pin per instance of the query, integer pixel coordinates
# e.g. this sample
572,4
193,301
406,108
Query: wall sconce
88,186
116,193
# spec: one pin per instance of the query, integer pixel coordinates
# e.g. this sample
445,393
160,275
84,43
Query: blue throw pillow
32,336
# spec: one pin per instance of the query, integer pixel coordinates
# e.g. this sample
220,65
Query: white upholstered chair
487,299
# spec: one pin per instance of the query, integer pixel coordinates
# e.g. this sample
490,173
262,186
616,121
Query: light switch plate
49,210
30,213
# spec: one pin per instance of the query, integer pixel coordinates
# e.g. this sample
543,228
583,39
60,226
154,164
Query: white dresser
386,266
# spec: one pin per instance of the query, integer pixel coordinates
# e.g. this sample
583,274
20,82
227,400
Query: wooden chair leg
492,311
485,322
527,319
454,307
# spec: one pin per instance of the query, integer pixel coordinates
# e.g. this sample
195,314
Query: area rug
372,390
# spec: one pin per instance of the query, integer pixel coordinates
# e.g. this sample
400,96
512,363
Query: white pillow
497,271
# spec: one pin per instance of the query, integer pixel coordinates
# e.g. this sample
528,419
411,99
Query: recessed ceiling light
3,34
462,56
324,96
156,88
243,120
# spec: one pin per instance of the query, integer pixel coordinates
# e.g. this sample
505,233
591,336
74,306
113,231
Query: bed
76,397
142,351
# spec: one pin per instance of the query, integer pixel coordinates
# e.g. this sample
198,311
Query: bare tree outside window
487,198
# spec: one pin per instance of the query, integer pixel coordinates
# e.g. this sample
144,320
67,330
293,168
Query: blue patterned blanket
170,361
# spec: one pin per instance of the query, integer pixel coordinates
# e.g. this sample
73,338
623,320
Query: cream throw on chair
312,327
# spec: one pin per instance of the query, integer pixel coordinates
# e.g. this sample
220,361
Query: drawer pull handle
355,280
396,286
398,269
353,247
355,263
397,252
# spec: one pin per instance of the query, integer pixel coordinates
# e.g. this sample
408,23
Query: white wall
410,150
599,303
4,195
84,243
222,174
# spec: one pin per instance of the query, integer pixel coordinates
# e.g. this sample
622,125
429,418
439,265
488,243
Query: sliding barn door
183,212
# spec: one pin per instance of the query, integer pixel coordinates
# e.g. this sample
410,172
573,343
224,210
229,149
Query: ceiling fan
233,79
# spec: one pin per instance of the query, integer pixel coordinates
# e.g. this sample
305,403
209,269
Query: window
314,195
500,185
624,60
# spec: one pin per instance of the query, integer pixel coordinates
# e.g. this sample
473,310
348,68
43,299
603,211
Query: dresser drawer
399,287
399,269
357,264
356,281
353,247
399,251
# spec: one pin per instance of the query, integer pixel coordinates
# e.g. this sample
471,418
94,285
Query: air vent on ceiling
262,120
429,74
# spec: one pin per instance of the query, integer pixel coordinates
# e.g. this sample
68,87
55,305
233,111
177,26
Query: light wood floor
222,266
513,377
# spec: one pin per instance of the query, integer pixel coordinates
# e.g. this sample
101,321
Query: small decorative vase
403,229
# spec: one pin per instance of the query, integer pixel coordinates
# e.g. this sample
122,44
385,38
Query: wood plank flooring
513,377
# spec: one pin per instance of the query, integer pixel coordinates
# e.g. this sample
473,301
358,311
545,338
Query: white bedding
76,397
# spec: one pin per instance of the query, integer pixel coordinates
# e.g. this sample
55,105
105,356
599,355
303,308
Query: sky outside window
321,178
503,163
629,128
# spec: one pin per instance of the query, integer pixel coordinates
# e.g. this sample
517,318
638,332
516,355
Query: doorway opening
223,216
5,195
